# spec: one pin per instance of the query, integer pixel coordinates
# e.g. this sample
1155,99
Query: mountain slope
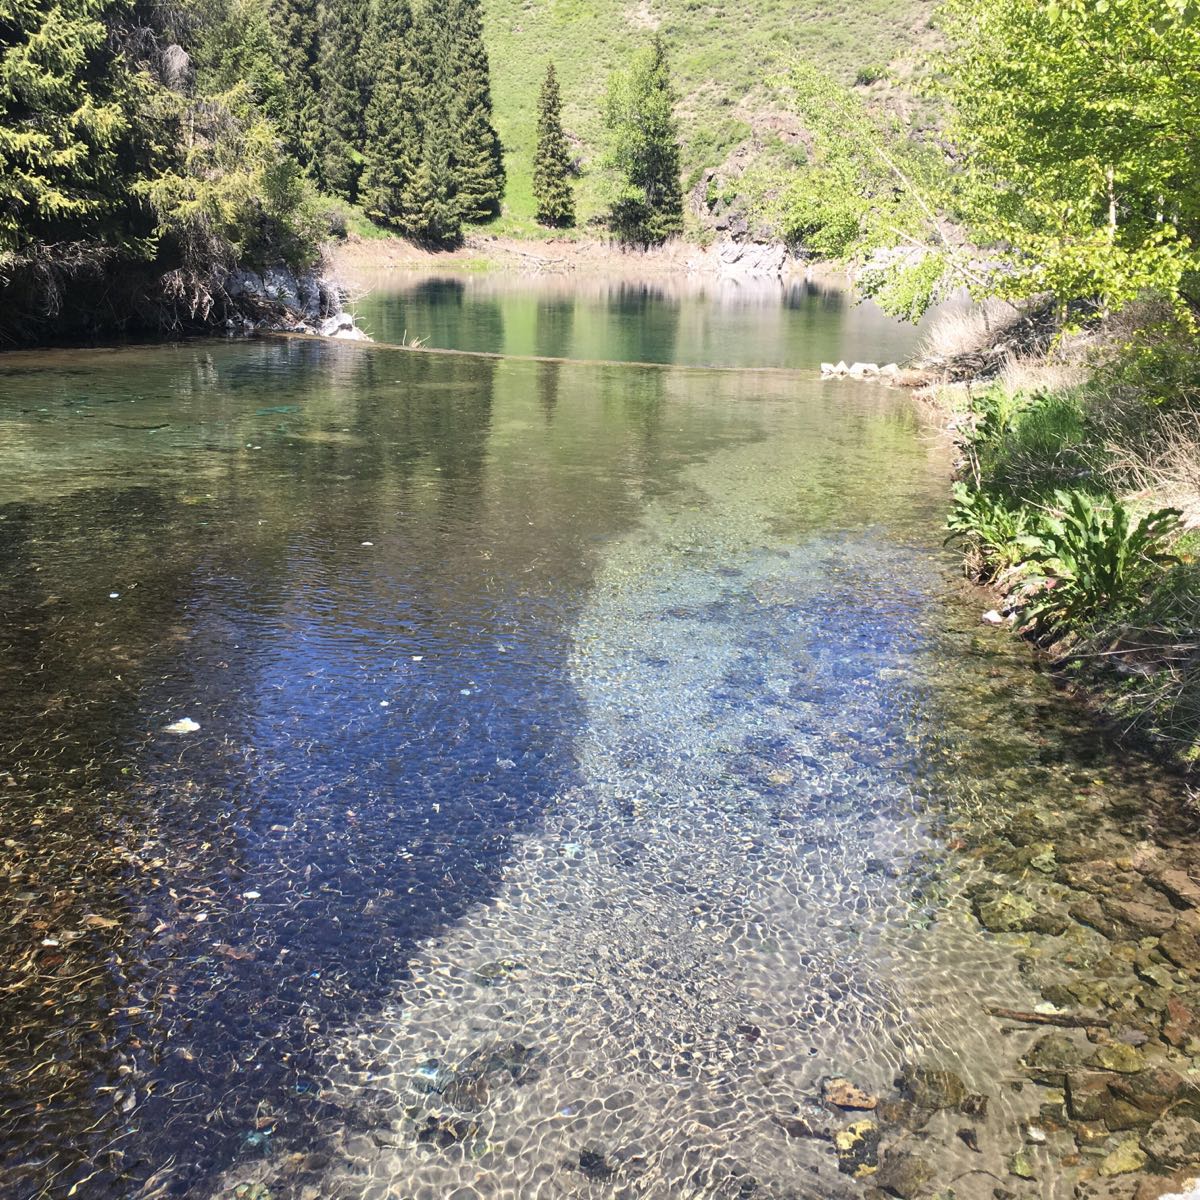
723,54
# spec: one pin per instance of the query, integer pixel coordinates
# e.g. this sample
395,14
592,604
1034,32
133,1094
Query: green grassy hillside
724,54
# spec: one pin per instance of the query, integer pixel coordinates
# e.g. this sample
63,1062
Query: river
581,763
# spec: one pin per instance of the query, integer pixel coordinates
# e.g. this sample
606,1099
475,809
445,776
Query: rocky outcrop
732,259
280,300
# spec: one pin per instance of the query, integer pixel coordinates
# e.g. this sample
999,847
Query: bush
1092,560
990,529
869,74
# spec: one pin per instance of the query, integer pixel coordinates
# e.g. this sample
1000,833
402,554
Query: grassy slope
724,53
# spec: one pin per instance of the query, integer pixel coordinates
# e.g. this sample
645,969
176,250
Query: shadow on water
324,564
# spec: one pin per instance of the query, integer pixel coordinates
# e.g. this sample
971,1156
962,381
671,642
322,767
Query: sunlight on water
431,776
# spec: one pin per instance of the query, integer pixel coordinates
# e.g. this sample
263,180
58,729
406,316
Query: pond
430,775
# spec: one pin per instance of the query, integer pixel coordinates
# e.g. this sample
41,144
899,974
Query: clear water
582,754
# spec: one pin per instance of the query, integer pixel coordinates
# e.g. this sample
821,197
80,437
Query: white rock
992,617
336,325
183,725
862,370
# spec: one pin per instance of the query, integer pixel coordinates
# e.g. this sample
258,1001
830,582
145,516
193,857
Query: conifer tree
552,159
340,135
429,204
476,157
62,122
295,26
643,149
392,150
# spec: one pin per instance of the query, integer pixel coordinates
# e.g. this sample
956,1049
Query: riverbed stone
1153,1187
1173,1140
933,1089
903,1174
1124,1159
903,1113
1026,825
842,1093
858,1148
1177,885
1021,1165
1117,1056
1121,1115
1181,1023
1143,919
1051,1057
1009,912
1088,912
1088,1096
1181,946
1153,1091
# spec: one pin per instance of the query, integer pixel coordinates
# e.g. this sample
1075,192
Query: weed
1092,559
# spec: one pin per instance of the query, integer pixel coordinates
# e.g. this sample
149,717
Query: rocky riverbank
280,300
1103,909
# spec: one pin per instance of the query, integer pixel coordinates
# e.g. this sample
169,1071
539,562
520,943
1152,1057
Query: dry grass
1165,469
968,330
1035,374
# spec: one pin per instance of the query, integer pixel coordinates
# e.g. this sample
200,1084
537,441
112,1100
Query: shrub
1093,559
991,530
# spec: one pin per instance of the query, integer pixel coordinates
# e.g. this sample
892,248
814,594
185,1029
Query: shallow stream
591,760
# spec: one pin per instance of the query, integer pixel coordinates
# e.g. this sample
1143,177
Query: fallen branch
1065,1020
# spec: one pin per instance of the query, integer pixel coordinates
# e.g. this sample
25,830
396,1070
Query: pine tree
476,157
63,120
429,204
340,134
295,25
643,150
392,151
552,159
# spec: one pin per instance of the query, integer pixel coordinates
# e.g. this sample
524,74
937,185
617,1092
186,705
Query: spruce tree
429,205
392,150
476,157
552,159
295,26
643,150
340,134
64,119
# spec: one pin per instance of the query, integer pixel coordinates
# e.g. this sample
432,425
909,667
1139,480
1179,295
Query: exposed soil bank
356,258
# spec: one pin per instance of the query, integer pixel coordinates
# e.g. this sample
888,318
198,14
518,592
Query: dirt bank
356,259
